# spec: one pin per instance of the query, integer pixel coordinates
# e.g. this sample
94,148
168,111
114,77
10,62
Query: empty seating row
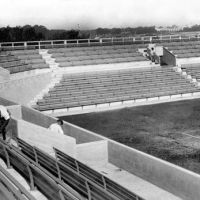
11,189
96,55
94,48
36,175
100,186
21,63
101,61
95,88
184,49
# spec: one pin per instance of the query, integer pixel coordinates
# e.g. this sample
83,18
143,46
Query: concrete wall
81,135
36,117
172,178
168,58
4,75
6,102
93,152
23,90
45,139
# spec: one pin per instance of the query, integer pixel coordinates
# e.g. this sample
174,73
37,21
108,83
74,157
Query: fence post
25,45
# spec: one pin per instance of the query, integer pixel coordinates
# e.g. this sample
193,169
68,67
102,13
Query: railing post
61,195
58,169
36,157
32,186
51,44
104,182
25,45
65,42
77,166
133,40
88,190
77,43
7,158
39,44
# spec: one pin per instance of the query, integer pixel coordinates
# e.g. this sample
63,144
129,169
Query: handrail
21,189
32,164
99,41
103,179
88,182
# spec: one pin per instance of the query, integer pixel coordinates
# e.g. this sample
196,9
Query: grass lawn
154,129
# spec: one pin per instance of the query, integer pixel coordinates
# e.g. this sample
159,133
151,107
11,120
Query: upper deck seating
184,49
96,55
114,86
22,60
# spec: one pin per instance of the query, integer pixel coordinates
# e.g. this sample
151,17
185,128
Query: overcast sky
84,14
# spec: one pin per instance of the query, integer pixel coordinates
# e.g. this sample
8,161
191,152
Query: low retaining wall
23,90
45,139
172,178
6,102
81,135
93,152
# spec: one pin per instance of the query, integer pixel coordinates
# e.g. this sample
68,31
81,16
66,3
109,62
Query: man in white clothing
4,119
57,127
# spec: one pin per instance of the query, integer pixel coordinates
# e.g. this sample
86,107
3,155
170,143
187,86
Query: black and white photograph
99,100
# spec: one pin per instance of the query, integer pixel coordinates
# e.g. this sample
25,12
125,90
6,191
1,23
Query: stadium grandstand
41,80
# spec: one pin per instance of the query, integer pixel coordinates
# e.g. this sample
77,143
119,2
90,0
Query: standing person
4,119
57,127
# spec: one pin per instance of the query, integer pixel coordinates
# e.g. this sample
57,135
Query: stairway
48,59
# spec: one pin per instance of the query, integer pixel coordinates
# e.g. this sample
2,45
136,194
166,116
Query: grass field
160,130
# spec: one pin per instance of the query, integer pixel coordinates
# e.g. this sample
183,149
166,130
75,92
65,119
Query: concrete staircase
186,76
48,59
56,77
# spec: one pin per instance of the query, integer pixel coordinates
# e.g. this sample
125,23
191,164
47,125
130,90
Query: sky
91,14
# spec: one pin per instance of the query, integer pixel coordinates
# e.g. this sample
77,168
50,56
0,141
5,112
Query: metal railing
96,42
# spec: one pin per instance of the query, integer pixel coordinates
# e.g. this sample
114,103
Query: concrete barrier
168,58
81,135
172,178
23,90
99,155
6,102
45,139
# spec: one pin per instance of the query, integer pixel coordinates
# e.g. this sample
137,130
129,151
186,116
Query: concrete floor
135,184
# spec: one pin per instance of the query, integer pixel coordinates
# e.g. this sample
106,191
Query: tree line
36,33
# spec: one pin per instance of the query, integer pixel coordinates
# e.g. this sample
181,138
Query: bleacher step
37,194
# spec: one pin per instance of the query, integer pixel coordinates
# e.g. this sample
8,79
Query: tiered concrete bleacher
114,86
62,173
90,183
184,49
11,189
96,55
36,175
22,60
